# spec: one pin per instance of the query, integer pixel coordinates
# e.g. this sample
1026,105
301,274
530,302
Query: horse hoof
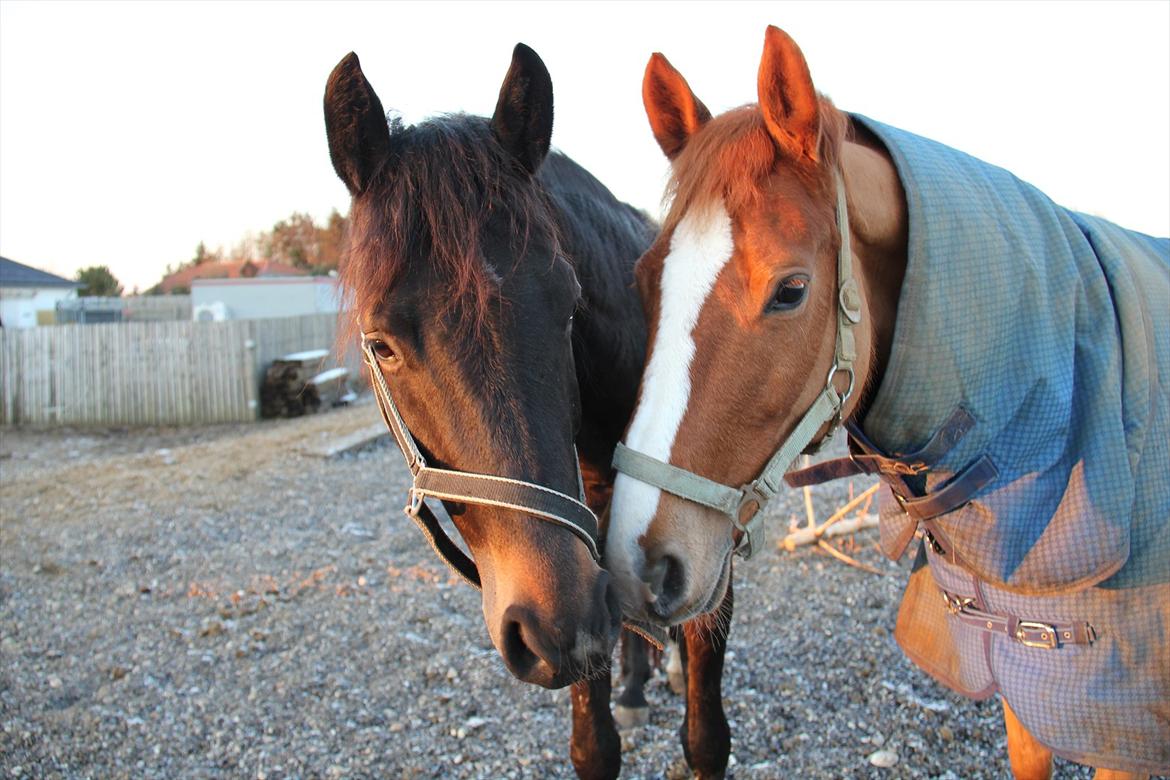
630,717
677,681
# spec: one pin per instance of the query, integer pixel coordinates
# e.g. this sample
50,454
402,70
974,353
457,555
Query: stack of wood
295,385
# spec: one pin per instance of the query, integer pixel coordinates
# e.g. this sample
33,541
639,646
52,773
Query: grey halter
753,496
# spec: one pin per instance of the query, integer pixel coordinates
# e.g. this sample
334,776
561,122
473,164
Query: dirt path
215,603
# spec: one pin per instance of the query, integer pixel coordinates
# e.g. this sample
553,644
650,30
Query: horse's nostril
675,579
518,656
653,575
666,579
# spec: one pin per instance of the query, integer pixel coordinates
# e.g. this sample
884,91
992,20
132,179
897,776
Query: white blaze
699,249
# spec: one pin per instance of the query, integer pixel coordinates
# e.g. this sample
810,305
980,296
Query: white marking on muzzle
699,249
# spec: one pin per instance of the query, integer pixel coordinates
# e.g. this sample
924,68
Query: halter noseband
472,488
825,409
485,490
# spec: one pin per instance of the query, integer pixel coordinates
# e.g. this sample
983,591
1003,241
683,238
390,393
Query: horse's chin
720,590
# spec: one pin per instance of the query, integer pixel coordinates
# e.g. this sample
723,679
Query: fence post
250,368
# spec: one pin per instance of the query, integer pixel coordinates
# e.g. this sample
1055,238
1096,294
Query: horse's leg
1029,759
1117,774
706,737
676,674
595,747
632,710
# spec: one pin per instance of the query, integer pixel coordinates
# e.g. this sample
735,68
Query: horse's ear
524,112
355,124
788,100
675,113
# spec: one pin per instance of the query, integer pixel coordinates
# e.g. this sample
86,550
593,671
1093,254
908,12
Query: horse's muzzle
559,649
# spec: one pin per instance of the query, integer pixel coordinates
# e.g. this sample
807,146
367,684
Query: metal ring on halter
416,499
833,375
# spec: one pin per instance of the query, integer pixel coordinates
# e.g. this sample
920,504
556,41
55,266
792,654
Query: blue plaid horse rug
1023,426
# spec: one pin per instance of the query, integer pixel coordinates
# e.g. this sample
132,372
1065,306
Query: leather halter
471,488
485,490
753,496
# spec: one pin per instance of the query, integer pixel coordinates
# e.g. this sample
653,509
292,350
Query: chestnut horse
1000,362
492,283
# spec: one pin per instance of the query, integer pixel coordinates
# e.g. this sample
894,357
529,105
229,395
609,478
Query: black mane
602,237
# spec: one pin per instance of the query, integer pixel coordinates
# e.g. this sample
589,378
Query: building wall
19,305
263,297
131,308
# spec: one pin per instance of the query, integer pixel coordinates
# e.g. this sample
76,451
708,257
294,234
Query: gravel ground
213,603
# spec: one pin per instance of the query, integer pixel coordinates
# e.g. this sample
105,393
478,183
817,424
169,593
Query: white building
259,297
28,296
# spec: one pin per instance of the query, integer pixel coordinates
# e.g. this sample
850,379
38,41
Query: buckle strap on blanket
866,458
953,494
1029,633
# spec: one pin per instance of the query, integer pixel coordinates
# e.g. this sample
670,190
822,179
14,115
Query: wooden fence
148,373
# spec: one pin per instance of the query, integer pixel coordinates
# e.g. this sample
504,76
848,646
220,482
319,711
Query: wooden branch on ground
803,536
831,550
836,525
810,515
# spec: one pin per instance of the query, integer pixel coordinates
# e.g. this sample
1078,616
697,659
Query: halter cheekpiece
472,488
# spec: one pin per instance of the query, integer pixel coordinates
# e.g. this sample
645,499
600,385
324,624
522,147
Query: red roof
239,269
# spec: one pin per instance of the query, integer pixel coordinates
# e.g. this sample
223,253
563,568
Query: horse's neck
603,238
878,222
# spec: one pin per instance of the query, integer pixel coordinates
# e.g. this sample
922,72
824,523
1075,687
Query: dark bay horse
1001,363
493,289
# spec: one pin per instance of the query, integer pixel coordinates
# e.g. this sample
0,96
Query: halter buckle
748,543
417,465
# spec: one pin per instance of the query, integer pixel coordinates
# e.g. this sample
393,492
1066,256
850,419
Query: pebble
200,677
883,758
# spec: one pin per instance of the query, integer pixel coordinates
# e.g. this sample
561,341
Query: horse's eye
790,294
382,350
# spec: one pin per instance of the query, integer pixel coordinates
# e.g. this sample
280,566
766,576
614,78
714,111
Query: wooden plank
338,445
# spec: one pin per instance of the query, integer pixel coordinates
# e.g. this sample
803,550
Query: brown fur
732,157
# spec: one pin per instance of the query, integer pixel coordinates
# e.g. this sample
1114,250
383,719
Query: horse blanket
1048,332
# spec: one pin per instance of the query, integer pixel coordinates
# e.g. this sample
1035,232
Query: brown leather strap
942,441
866,458
1030,633
444,546
953,494
825,471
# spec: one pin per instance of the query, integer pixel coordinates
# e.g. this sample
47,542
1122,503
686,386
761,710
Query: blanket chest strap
1030,633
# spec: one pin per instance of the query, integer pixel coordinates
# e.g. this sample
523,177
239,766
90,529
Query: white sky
129,132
